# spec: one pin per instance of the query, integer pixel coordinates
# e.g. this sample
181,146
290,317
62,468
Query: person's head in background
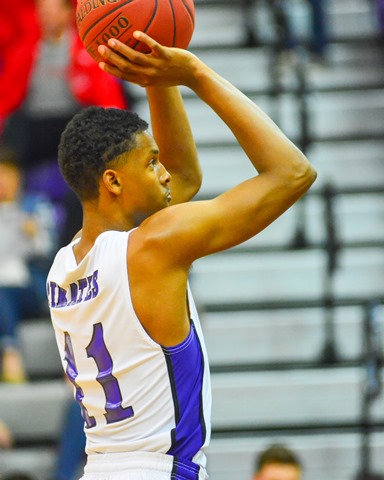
10,175
277,462
55,16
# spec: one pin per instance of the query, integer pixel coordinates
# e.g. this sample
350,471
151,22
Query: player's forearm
173,134
264,143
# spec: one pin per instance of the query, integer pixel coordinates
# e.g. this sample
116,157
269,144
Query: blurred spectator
283,15
380,15
71,448
277,462
7,442
61,78
71,223
319,40
56,78
27,239
19,35
6,438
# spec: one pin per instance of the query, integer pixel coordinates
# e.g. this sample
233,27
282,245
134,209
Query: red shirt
19,36
19,40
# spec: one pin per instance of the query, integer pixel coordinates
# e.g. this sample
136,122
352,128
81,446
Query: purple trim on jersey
185,364
184,470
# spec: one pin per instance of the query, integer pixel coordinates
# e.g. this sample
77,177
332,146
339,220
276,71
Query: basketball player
125,321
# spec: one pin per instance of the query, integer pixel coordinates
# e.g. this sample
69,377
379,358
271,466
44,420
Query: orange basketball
170,22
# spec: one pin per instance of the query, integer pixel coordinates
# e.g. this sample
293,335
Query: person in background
317,28
19,36
6,437
70,455
287,40
56,78
319,31
27,238
277,462
379,7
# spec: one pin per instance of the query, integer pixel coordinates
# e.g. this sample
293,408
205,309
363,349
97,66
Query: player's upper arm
196,229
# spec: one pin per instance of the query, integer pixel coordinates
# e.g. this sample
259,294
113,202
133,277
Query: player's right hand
162,66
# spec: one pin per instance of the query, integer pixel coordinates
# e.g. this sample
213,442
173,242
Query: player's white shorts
141,466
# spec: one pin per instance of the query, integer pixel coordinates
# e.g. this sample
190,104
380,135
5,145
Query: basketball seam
117,16
148,24
154,13
174,23
189,11
102,18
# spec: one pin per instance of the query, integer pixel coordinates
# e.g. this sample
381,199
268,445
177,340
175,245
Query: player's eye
153,162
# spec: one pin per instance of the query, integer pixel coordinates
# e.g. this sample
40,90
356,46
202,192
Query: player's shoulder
163,236
168,219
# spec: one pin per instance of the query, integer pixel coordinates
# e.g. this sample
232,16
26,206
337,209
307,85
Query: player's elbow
309,174
303,174
194,182
196,185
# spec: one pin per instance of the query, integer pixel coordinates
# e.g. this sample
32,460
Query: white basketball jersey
135,394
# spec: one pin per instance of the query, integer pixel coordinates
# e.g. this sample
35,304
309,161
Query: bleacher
293,318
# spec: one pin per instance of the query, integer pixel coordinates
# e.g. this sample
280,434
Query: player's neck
96,220
95,225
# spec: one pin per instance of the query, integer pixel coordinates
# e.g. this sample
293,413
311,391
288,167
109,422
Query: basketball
169,22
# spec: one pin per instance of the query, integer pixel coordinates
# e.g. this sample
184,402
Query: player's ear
111,181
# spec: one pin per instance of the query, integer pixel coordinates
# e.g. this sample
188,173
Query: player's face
145,179
278,472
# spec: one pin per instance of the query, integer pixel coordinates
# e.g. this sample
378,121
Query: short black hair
277,453
91,140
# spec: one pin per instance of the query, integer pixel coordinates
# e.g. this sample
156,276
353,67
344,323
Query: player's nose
165,176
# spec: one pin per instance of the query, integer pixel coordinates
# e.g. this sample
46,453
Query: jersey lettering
114,411
72,373
83,290
98,351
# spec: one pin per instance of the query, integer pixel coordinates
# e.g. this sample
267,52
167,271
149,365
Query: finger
149,41
127,52
115,71
113,57
127,76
